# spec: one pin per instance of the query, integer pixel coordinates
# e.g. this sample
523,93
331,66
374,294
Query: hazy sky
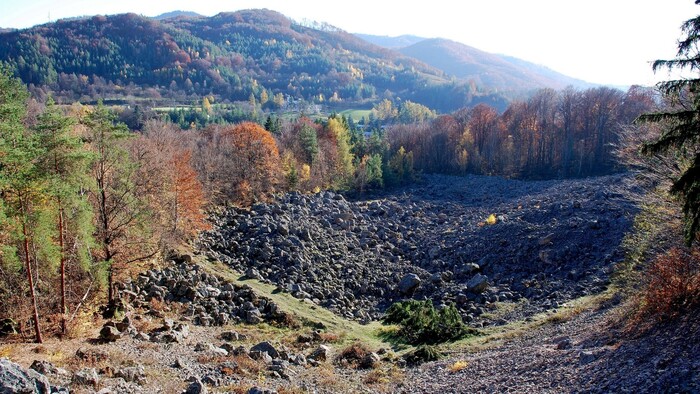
600,41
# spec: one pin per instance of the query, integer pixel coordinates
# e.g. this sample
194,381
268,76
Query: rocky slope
468,240
588,353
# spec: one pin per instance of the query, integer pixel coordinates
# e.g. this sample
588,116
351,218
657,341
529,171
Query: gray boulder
267,348
196,387
15,379
132,374
86,377
478,284
321,353
409,284
110,333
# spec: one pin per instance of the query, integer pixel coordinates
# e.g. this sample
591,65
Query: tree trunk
37,329
63,268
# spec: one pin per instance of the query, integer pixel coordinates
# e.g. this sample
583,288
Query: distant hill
502,73
391,42
229,56
177,14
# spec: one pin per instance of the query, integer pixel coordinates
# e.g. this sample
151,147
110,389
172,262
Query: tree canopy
681,123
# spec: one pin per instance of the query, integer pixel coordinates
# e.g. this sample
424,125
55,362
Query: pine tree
682,123
65,163
309,143
21,184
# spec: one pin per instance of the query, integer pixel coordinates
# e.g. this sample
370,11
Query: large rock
110,333
321,353
478,284
196,387
132,374
408,284
15,379
86,377
266,347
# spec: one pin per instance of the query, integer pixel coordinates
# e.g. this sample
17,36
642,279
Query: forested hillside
231,56
502,73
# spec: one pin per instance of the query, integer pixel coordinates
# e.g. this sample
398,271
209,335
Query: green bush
422,354
421,323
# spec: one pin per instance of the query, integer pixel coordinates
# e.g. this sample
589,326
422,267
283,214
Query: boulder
86,377
258,390
109,333
15,379
266,347
132,374
478,284
370,361
196,387
408,284
44,367
321,353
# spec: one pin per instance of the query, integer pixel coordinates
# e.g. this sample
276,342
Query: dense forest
230,56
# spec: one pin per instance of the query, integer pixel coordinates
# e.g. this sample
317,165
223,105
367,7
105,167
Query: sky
609,42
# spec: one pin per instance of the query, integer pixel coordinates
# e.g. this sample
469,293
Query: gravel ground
586,354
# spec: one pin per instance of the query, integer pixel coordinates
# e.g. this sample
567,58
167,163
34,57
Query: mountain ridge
499,71
232,56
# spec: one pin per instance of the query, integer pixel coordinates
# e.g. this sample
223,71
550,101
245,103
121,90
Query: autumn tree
238,163
344,161
123,220
174,193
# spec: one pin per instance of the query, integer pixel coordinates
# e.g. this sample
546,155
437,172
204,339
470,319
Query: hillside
391,42
502,73
229,56
178,14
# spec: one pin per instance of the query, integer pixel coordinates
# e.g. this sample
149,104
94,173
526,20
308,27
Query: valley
310,272
242,202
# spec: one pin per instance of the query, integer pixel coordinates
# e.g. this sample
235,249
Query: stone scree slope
551,241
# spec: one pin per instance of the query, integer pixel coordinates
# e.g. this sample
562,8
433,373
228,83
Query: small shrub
421,323
458,366
491,220
352,355
422,354
673,285
329,337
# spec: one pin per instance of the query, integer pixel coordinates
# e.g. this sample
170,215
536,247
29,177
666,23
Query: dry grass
331,337
385,379
247,366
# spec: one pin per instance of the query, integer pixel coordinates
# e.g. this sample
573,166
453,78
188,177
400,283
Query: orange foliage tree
255,158
187,197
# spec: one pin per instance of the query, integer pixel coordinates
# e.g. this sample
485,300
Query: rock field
468,240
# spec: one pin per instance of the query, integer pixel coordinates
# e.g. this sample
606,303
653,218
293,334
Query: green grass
350,331
356,114
376,335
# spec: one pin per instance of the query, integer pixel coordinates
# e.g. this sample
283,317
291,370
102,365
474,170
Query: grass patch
356,114
347,331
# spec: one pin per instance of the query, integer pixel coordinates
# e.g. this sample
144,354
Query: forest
230,56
